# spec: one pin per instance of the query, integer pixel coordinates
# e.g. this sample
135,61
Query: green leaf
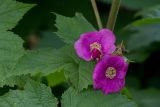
11,12
11,48
33,95
15,80
153,12
145,21
135,4
41,16
47,61
80,75
138,56
43,61
15,61
147,98
126,92
50,40
11,51
93,99
56,78
135,34
10,44
148,31
69,29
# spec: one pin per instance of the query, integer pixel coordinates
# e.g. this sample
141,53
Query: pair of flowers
110,70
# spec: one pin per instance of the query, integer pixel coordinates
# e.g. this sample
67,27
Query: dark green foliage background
138,25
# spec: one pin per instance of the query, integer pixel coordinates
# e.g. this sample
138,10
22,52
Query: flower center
95,49
110,72
95,45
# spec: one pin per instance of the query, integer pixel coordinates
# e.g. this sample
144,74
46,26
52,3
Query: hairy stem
113,14
99,22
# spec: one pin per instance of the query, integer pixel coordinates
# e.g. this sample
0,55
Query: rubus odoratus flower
109,74
94,45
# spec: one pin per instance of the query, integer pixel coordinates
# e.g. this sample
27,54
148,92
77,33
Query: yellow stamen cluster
110,72
95,45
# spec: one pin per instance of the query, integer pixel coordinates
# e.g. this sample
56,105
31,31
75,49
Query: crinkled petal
104,37
99,74
122,71
113,86
82,46
107,41
82,51
119,64
110,85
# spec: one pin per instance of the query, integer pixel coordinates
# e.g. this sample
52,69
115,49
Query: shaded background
142,41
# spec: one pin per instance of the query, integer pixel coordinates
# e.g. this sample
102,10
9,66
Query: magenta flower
109,74
93,45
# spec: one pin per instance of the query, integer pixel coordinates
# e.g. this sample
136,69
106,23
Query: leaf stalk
113,14
95,9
